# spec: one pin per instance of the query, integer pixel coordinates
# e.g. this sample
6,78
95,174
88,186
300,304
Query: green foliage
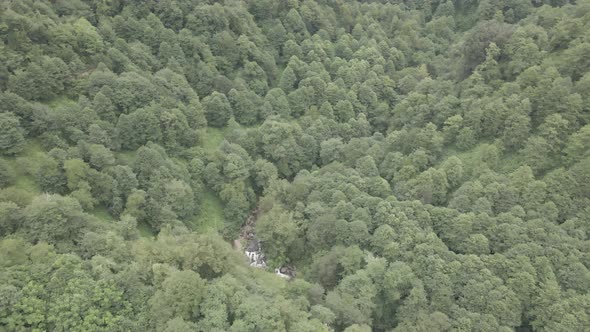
7,174
419,166
352,301
54,219
217,109
138,128
277,230
11,139
42,79
179,296
210,217
480,38
577,146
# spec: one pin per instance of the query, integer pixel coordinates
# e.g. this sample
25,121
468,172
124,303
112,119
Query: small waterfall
253,249
255,255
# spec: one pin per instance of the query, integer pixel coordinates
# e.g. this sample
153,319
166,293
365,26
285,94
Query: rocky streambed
252,247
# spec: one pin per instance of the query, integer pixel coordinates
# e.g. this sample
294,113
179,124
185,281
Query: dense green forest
423,165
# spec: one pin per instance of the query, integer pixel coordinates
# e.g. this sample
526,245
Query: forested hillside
422,165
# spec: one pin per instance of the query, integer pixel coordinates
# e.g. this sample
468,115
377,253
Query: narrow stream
253,247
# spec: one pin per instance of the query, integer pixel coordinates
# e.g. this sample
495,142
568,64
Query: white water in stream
253,249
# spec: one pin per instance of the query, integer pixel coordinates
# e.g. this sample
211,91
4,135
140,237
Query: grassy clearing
213,137
127,157
145,230
31,148
62,101
28,184
507,163
510,162
22,164
210,217
468,158
102,213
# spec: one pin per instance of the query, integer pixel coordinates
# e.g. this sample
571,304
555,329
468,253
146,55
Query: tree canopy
410,165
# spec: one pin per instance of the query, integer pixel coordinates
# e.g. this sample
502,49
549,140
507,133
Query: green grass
145,230
102,213
27,183
507,163
61,101
210,217
26,160
32,147
127,157
469,158
510,162
213,137
22,163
